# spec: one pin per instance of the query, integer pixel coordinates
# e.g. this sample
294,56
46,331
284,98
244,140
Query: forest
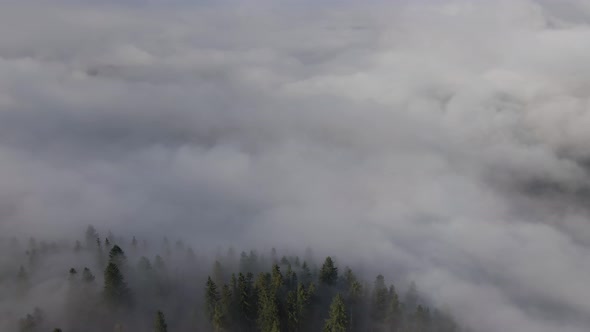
110,283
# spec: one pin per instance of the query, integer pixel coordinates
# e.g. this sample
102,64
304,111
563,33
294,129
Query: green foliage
328,272
297,303
211,299
268,308
282,298
337,321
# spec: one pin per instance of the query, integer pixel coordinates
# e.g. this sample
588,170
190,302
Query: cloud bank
447,137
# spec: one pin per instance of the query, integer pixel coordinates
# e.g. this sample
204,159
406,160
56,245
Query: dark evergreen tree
218,273
90,236
87,276
211,299
144,264
337,321
411,298
268,309
73,273
246,300
159,264
160,323
117,256
22,275
328,272
190,256
379,301
305,274
78,246
394,312
115,288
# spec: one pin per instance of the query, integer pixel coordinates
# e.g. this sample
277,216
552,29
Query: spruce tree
87,275
144,264
90,236
328,272
379,301
268,309
394,312
305,274
117,256
211,299
77,246
73,273
115,288
246,301
218,273
337,321
160,323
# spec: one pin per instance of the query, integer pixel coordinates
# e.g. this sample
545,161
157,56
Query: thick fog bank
447,139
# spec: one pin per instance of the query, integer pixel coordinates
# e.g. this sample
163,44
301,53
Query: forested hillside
109,283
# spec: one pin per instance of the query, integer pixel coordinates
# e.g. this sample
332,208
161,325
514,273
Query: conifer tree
328,272
159,264
160,323
190,256
115,287
22,279
73,273
117,256
268,310
305,274
211,299
218,273
337,321
77,246
22,275
87,276
90,236
246,300
379,301
225,315
411,298
394,312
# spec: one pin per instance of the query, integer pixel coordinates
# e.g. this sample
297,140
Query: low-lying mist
441,142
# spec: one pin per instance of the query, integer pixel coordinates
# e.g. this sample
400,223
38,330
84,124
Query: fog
445,141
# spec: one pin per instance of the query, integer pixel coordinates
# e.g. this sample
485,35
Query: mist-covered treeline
113,283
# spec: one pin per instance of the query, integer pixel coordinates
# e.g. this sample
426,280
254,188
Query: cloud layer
447,137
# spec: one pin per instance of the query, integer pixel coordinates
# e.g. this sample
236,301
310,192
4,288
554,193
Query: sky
449,138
